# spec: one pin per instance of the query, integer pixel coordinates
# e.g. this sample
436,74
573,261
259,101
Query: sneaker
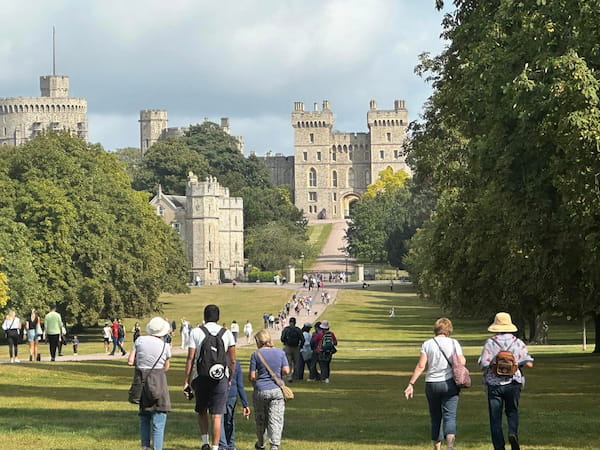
123,354
60,354
17,360
30,358
111,354
205,447
326,381
514,442
258,447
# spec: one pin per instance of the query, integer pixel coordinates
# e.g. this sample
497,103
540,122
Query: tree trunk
597,332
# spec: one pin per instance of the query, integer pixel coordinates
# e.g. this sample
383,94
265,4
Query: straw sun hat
158,327
502,324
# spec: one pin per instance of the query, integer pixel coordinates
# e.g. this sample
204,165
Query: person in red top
115,338
324,342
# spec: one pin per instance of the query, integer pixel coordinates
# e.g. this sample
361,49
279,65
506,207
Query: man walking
293,340
117,331
211,374
502,357
52,329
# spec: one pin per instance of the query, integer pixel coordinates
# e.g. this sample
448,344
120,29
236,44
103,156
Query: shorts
211,394
32,336
106,340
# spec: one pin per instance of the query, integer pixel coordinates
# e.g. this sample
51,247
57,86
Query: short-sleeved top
438,368
53,323
148,351
506,341
197,336
275,358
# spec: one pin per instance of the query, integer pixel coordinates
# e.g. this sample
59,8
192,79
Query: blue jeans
506,396
227,440
442,397
152,423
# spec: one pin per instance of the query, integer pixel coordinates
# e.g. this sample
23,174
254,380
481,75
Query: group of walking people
32,330
503,388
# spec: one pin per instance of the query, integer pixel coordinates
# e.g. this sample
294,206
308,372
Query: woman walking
12,328
269,405
150,355
440,388
33,325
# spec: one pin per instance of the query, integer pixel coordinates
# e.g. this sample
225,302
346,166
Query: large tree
79,235
510,141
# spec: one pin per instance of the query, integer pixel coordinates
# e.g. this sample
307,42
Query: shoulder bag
136,389
288,394
460,373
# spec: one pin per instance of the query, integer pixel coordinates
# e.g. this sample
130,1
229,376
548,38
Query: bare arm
419,368
167,364
131,359
189,363
231,358
285,370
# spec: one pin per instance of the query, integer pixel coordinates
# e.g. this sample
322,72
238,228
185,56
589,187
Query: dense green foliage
510,142
207,150
74,233
385,219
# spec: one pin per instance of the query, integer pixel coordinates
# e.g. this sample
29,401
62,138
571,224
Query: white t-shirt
234,327
197,336
438,368
148,351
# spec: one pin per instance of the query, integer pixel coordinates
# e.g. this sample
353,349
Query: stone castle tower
23,118
333,169
153,127
211,226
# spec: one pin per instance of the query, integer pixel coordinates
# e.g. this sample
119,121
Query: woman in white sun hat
150,355
503,383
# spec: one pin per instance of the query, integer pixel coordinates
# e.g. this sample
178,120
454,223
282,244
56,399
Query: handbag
136,390
288,394
460,373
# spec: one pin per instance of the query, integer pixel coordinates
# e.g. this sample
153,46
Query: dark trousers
116,344
227,440
503,397
13,344
312,368
325,366
53,340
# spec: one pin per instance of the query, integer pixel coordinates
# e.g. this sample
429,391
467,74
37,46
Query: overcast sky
248,60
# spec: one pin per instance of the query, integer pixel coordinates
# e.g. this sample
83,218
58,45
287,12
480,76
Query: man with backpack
502,357
324,342
211,360
293,340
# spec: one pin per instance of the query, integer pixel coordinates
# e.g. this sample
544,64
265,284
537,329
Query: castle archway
348,202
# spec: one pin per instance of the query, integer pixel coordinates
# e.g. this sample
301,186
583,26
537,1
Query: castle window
312,138
334,181
305,156
335,196
312,196
312,177
381,154
176,226
350,177
209,246
318,156
366,155
334,155
367,177
160,210
388,137
351,154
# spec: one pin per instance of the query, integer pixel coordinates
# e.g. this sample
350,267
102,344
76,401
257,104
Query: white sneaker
326,381
17,360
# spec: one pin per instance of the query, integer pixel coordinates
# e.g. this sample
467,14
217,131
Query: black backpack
293,336
213,357
120,331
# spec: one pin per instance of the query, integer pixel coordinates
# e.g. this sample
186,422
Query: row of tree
510,144
73,232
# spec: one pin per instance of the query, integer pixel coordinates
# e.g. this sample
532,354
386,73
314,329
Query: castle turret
152,124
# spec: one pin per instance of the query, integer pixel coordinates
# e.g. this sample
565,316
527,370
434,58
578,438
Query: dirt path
332,257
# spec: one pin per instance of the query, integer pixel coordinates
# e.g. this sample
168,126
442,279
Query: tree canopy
75,233
510,141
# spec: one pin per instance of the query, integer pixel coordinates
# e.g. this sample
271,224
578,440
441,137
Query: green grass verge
317,236
82,405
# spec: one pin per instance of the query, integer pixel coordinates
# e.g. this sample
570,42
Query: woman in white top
248,331
12,328
440,388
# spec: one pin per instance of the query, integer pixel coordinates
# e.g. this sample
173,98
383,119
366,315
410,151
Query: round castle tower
23,118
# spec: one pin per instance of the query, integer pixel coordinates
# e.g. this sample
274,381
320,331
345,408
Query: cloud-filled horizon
249,61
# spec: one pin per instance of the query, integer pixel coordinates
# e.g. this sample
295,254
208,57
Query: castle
23,118
211,226
330,170
153,127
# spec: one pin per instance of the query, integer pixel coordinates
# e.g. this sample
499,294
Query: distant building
211,226
153,127
330,169
23,118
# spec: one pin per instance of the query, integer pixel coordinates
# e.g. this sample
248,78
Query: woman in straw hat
150,355
504,391
440,388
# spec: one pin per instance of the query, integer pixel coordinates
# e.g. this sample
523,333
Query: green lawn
83,405
317,236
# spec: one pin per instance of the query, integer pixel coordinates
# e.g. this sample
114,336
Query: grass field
82,405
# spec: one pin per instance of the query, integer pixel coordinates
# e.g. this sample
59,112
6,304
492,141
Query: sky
248,60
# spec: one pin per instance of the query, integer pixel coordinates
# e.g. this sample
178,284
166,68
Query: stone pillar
290,274
360,272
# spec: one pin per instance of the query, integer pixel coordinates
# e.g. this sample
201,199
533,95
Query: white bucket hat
158,327
502,324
